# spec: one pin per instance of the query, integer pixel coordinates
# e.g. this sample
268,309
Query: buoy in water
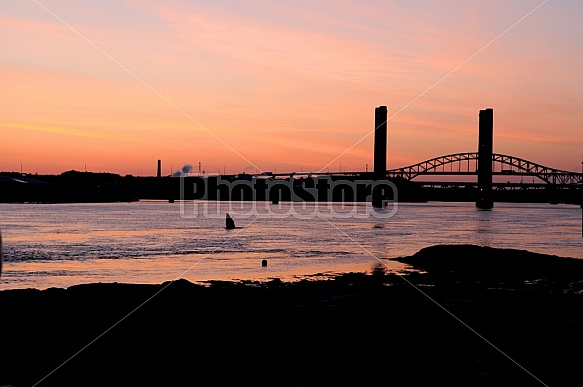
230,223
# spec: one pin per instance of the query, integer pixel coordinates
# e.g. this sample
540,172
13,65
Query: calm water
58,245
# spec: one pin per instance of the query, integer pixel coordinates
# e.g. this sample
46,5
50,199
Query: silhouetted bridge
466,164
460,164
484,164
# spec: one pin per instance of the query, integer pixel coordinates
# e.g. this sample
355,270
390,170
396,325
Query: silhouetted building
485,147
159,168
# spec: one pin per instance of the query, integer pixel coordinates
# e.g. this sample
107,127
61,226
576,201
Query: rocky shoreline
456,319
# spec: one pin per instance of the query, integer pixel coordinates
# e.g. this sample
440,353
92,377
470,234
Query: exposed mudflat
457,319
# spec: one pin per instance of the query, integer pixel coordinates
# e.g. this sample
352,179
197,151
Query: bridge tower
380,153
380,142
485,145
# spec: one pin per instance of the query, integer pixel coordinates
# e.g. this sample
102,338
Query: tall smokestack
380,142
159,168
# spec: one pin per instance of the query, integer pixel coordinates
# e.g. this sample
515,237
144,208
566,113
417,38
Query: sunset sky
115,85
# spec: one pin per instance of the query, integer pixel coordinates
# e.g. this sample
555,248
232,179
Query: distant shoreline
89,187
353,329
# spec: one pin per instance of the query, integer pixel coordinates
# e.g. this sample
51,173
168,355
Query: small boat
230,223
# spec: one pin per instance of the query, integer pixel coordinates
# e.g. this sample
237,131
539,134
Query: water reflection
59,245
483,227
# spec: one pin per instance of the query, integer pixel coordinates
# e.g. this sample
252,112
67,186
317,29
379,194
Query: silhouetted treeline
68,187
84,187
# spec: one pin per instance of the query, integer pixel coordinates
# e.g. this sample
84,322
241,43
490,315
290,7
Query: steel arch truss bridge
466,164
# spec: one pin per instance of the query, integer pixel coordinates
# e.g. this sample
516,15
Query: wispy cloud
61,130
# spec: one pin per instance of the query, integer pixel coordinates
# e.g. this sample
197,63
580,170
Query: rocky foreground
467,316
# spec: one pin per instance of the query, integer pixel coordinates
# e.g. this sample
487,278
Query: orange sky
246,86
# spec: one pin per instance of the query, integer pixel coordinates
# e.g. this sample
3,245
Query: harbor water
60,245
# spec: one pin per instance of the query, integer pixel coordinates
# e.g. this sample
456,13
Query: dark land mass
84,187
354,329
